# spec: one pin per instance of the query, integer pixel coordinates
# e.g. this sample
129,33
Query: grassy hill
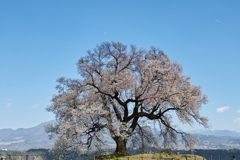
154,156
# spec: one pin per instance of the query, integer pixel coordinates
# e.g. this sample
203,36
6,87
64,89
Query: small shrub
169,152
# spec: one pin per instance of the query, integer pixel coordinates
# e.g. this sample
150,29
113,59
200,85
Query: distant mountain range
217,133
23,139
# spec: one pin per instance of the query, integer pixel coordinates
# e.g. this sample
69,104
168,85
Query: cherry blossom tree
124,91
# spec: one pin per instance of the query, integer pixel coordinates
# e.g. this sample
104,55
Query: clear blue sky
41,41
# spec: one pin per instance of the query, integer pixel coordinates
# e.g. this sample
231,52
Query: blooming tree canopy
120,91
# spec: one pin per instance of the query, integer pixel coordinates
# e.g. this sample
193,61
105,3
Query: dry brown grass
162,156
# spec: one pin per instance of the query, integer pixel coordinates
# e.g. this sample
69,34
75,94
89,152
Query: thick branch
118,115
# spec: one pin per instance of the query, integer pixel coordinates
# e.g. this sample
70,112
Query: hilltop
154,156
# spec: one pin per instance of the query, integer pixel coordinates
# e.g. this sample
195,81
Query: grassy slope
160,156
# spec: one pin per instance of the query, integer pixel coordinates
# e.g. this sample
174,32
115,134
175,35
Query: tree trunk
121,146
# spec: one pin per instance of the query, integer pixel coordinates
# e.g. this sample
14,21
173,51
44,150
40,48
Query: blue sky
41,41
